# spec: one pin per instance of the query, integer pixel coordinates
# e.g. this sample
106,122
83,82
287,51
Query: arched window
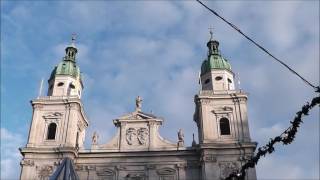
224,126
52,128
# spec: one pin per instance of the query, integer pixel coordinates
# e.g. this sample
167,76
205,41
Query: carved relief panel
226,168
106,174
137,136
167,173
136,176
44,171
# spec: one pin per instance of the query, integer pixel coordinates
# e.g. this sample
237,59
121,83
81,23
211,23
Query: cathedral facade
137,151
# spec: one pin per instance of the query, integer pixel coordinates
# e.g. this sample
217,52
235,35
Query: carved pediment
137,131
137,115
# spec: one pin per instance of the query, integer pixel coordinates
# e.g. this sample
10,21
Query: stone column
151,172
91,172
210,169
181,171
34,125
152,134
27,170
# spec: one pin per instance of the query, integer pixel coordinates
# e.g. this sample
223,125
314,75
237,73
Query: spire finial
73,39
193,141
212,44
211,32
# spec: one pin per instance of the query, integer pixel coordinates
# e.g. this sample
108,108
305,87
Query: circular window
72,86
218,78
207,81
60,84
229,80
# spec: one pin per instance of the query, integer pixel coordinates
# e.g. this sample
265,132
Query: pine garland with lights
286,138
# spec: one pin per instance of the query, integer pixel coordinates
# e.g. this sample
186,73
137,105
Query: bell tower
221,117
65,79
58,122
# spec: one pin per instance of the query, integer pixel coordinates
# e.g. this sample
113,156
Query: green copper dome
66,68
214,60
68,65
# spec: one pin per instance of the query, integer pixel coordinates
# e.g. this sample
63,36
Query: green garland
286,138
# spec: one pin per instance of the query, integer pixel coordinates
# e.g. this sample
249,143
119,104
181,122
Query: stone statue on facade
138,103
180,138
95,138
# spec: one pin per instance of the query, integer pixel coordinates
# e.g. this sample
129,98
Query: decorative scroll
136,176
106,172
142,135
130,135
209,158
27,162
54,115
166,171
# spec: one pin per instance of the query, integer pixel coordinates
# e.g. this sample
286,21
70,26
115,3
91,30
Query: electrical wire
317,88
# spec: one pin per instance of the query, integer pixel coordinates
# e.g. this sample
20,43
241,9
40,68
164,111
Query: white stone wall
218,80
60,85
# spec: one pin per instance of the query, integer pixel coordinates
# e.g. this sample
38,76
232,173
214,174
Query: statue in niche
130,135
138,103
95,138
142,135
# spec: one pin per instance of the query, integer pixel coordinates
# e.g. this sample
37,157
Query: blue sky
155,49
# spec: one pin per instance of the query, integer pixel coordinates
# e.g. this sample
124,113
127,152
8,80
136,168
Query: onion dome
68,65
214,60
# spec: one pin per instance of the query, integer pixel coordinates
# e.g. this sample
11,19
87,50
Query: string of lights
317,88
286,138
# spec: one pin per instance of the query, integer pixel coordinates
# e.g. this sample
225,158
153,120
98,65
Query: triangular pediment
137,115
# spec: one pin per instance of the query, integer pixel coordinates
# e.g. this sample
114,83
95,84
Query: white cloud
279,168
10,156
152,16
155,49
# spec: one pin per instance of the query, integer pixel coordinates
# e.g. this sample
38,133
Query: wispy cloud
155,49
10,156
